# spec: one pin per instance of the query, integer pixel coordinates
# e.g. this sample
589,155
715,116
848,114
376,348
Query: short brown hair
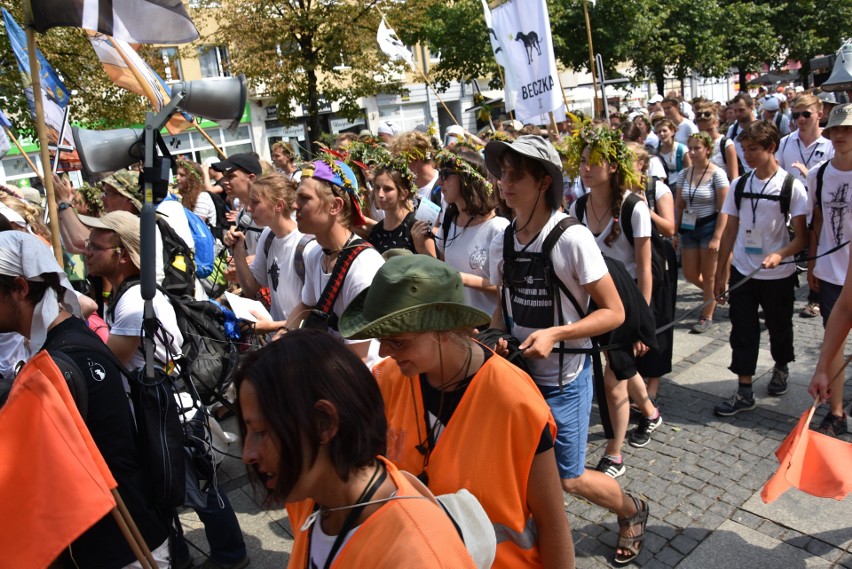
762,133
276,188
285,148
413,145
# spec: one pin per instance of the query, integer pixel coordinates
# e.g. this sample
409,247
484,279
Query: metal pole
591,57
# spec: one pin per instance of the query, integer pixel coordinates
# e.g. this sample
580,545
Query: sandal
632,545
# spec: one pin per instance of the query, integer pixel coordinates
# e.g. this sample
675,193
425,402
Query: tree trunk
660,80
743,80
313,118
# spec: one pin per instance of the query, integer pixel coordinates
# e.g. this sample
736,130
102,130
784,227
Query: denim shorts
571,410
828,295
698,238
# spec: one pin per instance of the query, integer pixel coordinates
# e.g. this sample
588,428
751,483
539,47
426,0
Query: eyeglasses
91,247
445,173
396,345
704,115
806,114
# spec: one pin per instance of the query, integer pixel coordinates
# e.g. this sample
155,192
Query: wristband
63,206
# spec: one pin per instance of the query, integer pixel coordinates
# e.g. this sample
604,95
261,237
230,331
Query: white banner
523,29
391,45
509,84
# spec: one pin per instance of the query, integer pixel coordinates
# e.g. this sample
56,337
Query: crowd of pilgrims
382,262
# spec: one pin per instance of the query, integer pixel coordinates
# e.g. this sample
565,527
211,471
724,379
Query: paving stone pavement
701,474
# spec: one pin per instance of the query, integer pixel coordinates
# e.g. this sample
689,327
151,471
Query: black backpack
783,197
660,266
724,141
819,176
526,275
222,224
160,434
178,263
209,354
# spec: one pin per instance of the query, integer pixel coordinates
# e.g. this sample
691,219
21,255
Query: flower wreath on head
501,135
191,169
398,164
369,153
93,196
446,159
605,144
468,142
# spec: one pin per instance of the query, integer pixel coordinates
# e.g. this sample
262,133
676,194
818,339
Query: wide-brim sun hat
411,293
531,146
840,115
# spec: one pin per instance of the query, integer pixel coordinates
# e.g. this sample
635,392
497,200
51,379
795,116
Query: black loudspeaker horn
216,98
108,150
841,77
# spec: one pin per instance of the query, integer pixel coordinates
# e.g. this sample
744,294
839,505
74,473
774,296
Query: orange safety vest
488,447
406,533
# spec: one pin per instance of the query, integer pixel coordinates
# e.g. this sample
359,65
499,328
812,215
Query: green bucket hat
411,293
126,183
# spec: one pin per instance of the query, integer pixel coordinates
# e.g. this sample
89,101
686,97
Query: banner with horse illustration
523,29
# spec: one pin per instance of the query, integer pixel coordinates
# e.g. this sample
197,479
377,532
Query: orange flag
812,462
54,483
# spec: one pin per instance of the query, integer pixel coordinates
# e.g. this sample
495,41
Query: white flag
5,146
391,45
509,83
523,30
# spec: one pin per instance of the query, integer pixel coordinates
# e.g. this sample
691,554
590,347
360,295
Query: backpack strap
580,207
651,193
723,142
739,189
325,304
820,175
125,285
450,217
299,257
783,198
626,221
679,152
74,378
267,243
786,195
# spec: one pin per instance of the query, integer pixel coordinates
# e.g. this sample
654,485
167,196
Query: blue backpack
205,245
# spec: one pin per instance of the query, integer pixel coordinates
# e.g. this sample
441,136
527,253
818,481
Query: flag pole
47,180
134,545
122,510
591,58
24,154
210,140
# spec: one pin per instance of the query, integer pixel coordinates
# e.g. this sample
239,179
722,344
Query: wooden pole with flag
591,58
41,128
24,155
210,140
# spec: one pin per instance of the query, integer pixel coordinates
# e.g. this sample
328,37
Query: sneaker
734,405
778,382
702,326
833,426
610,468
810,311
641,435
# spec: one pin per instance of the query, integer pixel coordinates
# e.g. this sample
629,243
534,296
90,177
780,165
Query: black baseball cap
244,161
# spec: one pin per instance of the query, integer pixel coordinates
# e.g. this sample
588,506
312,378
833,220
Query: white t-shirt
792,149
656,168
205,209
425,192
125,319
718,156
764,216
467,249
684,129
576,262
701,198
13,348
358,277
836,199
621,249
671,161
733,134
277,270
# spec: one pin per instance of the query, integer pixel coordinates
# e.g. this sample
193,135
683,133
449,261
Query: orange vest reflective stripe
488,446
407,533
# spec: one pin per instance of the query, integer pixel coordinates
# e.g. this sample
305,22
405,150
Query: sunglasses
806,114
445,173
704,115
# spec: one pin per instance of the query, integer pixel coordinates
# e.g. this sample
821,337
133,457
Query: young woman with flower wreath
393,193
470,223
193,196
605,164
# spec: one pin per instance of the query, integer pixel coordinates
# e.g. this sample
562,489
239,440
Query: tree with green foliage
304,53
95,101
750,41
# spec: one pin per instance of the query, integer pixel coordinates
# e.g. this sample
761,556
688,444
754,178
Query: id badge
688,220
753,242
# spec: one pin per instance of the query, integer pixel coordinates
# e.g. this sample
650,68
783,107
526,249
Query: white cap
386,128
655,99
770,104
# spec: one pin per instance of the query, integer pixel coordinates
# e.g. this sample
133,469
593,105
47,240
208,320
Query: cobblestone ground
699,469
698,472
